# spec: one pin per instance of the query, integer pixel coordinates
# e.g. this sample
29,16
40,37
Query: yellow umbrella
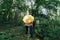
28,19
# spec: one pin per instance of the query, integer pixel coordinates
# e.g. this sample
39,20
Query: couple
30,26
28,20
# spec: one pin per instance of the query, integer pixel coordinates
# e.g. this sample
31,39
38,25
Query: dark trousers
26,29
31,30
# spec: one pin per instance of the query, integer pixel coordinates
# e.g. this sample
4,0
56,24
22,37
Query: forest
45,12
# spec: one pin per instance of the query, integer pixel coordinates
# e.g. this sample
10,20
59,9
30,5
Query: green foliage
13,34
47,29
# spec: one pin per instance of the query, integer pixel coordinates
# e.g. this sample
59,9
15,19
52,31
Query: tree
47,28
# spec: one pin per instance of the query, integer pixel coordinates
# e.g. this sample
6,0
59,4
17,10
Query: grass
14,33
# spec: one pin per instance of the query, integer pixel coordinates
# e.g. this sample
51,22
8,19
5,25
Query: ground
14,33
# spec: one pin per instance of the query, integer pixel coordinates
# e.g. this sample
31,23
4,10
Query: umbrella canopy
28,19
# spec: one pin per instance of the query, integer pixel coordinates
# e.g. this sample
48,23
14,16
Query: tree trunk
16,17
